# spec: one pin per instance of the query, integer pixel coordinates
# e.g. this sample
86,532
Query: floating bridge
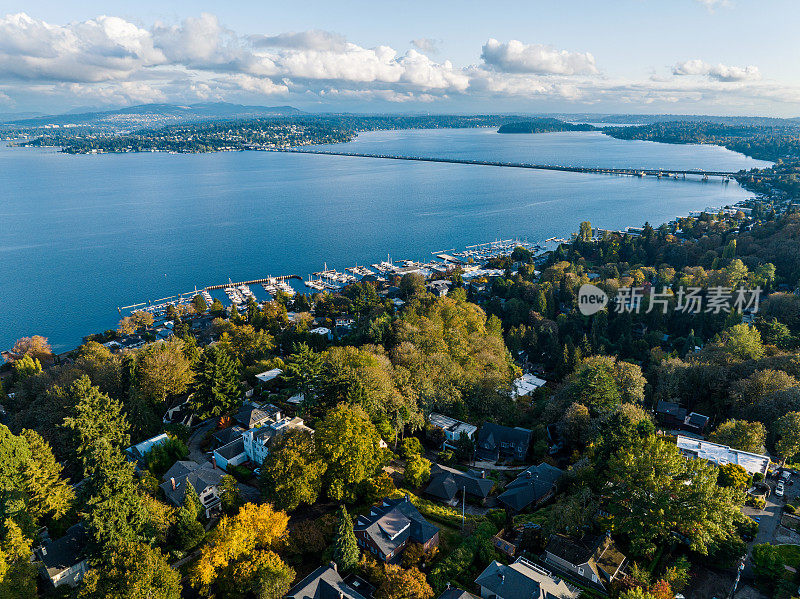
635,172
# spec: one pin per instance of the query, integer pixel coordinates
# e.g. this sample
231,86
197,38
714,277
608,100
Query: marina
329,279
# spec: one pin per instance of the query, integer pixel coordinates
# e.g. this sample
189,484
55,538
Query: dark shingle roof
530,486
393,522
323,583
456,594
65,552
185,472
491,435
232,449
446,482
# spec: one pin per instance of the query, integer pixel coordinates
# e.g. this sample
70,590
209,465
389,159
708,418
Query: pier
633,172
254,282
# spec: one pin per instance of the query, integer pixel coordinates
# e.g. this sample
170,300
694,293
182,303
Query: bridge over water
636,172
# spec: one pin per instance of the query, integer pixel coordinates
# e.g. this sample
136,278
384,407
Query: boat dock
253,282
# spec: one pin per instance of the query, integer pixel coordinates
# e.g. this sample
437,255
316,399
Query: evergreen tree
345,546
96,417
217,383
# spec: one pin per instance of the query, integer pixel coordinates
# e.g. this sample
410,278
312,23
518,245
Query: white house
452,428
257,441
526,384
269,375
64,561
722,454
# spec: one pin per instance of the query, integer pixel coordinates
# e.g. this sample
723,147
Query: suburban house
532,486
722,454
454,593
447,484
593,558
269,375
137,453
251,415
391,526
522,580
231,454
205,479
64,561
497,442
673,416
257,440
525,385
324,583
452,428
439,288
226,435
670,414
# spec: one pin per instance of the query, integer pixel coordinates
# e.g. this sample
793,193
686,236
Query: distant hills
145,115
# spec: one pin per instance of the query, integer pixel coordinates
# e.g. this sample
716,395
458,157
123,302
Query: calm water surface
82,235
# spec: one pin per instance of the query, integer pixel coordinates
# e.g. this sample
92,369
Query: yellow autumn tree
254,527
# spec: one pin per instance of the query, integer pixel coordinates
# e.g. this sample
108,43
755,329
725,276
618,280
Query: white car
779,489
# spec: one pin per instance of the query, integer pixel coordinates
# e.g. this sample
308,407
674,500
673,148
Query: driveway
769,528
196,453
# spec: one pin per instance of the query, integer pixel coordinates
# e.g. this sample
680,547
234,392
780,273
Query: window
580,570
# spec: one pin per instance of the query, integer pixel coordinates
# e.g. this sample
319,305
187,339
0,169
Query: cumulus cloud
718,72
314,39
101,49
426,44
516,57
113,61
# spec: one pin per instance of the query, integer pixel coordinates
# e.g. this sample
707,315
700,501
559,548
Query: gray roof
232,449
249,415
65,552
523,580
393,522
456,594
226,435
186,472
323,583
530,486
446,482
671,409
491,435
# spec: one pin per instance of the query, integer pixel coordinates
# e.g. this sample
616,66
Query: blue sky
680,56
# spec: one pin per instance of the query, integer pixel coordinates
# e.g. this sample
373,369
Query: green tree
131,571
47,493
217,383
96,417
740,342
740,434
115,510
17,572
787,429
345,546
412,284
230,494
292,472
418,471
348,443
164,370
199,303
186,532
733,475
26,367
653,491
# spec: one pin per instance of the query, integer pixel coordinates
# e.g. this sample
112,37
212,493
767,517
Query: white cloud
111,60
101,49
426,44
516,57
718,72
712,4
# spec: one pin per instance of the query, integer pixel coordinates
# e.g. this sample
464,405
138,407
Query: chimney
334,566
528,474
483,473
172,480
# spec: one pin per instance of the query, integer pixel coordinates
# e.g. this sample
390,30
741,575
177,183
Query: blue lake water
81,235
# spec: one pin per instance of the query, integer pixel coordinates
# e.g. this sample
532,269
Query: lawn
790,555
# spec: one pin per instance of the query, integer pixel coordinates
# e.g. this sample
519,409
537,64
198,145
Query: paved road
196,454
769,517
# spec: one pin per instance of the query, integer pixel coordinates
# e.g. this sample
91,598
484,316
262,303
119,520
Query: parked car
779,489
